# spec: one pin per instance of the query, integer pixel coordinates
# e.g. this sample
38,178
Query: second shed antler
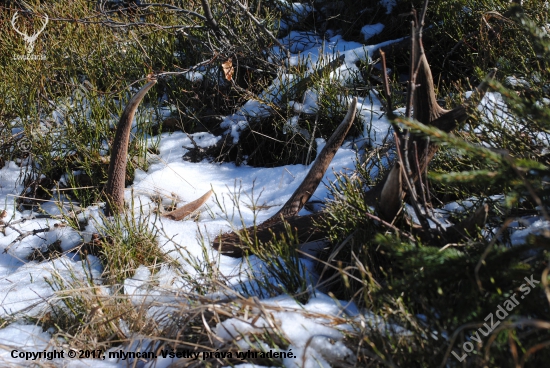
317,171
231,244
404,177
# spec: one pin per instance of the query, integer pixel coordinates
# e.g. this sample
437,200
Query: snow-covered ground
26,292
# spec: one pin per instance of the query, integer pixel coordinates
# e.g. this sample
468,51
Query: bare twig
212,22
387,95
390,226
422,188
387,91
407,177
263,28
24,234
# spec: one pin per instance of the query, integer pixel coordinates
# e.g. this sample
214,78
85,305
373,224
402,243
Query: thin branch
387,90
413,196
212,22
387,94
422,188
24,234
423,15
390,226
262,27
411,85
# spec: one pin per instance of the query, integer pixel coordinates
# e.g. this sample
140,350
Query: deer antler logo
30,40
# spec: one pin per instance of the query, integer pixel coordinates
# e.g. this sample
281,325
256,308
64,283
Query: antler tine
13,20
320,166
44,25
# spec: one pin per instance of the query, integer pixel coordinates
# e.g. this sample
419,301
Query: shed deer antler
30,40
409,167
231,244
114,190
117,166
317,171
188,209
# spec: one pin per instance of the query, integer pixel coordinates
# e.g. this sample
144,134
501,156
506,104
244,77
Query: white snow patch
389,4
371,30
539,227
